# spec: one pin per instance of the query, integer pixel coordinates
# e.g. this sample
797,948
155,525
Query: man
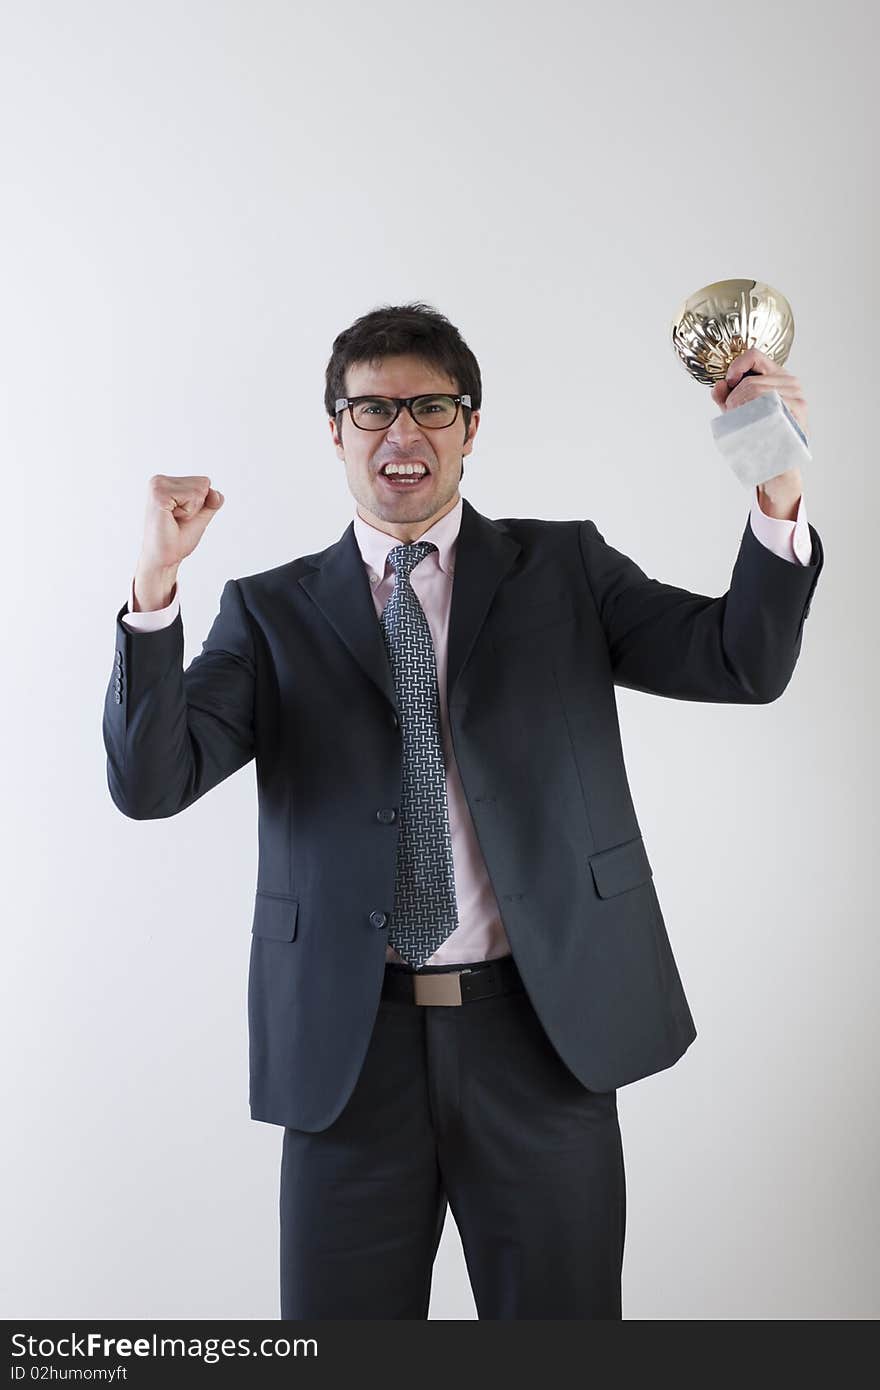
458,954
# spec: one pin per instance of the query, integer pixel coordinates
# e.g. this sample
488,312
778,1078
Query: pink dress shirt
479,934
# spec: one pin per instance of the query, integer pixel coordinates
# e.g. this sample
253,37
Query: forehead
396,376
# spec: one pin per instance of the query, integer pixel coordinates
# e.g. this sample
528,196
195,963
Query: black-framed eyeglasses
378,412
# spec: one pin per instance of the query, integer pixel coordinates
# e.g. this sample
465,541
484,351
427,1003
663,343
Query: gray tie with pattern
425,911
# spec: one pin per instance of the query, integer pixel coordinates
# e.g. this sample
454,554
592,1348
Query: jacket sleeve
740,648
173,734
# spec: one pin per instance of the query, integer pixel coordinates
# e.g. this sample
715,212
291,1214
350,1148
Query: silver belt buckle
442,988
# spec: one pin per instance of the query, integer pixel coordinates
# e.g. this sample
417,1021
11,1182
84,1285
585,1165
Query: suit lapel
483,555
339,586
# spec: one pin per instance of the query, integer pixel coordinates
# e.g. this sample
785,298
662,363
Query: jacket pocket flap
517,620
275,916
620,867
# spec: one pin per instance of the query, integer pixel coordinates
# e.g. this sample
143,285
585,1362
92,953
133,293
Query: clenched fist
752,374
177,515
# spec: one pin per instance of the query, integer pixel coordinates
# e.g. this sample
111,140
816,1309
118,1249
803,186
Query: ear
337,438
472,430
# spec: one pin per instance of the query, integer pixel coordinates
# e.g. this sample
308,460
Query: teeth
404,468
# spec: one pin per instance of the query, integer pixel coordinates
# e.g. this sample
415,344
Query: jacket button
378,919
386,814
118,658
117,683
118,698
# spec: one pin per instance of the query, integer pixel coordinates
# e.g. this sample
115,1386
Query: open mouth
404,481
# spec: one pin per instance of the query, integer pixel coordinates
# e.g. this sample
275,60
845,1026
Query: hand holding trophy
727,335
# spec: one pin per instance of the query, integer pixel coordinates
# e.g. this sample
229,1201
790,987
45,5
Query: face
407,510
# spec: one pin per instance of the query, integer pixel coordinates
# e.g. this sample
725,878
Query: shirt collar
374,544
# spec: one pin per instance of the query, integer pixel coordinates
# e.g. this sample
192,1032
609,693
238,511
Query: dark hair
392,330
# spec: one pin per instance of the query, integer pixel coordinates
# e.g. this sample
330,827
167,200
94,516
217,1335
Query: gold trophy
718,323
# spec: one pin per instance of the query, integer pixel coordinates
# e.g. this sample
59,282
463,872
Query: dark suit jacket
546,619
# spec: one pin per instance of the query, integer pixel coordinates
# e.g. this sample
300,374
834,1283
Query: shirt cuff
154,620
790,540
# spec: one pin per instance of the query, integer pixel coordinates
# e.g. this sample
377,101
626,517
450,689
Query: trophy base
761,439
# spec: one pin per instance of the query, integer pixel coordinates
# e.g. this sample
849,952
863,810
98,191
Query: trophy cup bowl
719,322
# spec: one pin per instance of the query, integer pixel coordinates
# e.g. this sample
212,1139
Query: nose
403,429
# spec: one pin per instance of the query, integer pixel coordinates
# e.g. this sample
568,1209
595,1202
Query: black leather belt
458,985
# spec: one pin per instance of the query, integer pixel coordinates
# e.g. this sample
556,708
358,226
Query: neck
406,531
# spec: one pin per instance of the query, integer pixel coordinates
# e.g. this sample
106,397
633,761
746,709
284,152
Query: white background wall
196,198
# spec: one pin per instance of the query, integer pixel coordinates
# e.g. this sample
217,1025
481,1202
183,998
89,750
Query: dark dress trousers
546,619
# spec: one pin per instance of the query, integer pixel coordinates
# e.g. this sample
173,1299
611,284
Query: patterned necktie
425,911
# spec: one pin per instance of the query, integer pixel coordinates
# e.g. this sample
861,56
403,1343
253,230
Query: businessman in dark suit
458,954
